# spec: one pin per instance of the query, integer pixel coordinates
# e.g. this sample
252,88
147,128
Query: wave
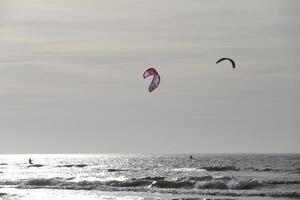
234,168
199,178
173,184
241,193
281,182
129,183
155,178
204,185
263,169
232,185
220,168
35,165
199,182
3,164
236,189
209,168
205,182
270,169
205,178
291,194
191,198
69,165
115,170
244,184
188,169
297,171
42,182
3,194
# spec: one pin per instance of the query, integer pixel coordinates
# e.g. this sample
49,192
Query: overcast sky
71,76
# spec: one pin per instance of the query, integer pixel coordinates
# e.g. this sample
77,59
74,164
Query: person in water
191,157
30,161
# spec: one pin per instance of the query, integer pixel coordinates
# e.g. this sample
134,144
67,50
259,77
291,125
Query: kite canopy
232,62
156,78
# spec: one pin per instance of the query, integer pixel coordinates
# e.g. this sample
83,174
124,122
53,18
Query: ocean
166,176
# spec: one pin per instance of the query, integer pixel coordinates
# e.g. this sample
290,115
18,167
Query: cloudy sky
71,76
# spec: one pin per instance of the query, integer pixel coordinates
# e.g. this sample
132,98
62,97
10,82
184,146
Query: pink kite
156,78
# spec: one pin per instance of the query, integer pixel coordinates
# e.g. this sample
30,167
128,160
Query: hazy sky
71,76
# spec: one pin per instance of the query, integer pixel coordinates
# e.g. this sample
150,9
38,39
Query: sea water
112,176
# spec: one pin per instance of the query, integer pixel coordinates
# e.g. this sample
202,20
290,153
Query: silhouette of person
30,161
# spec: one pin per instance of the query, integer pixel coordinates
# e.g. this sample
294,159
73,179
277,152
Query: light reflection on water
171,175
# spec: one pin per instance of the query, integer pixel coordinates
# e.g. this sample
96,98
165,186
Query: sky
71,76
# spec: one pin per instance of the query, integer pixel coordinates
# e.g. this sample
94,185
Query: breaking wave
203,185
199,182
233,184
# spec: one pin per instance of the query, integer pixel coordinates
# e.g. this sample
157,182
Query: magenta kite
156,78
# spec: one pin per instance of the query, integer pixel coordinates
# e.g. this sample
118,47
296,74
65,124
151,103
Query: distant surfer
191,157
30,161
